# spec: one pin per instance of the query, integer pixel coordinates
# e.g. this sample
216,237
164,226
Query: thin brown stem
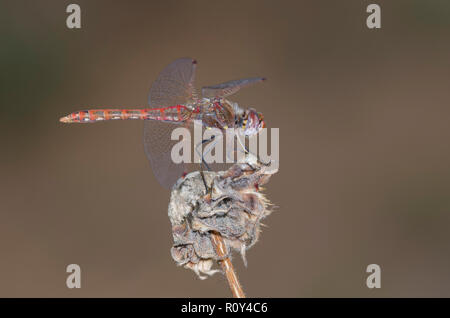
227,266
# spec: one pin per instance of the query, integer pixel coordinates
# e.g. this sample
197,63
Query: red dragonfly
173,100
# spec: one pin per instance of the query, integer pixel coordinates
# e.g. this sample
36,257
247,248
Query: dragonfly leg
204,181
204,141
203,162
210,146
247,152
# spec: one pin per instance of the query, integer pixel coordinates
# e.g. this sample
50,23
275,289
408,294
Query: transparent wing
174,86
229,88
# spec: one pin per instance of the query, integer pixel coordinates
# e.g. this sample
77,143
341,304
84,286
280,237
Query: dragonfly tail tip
64,119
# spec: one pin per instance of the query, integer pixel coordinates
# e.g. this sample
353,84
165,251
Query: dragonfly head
253,122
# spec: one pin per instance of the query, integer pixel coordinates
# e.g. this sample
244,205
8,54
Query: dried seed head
233,207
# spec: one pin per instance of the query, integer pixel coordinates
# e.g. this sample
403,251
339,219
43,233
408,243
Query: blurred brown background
364,155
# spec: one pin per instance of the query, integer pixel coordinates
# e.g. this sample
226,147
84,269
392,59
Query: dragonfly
173,101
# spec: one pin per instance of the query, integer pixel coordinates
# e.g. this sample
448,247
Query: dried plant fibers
208,224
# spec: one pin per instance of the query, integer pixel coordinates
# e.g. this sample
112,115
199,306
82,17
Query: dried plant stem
227,266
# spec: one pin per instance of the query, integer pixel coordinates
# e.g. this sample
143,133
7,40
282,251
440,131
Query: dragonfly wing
174,86
158,146
229,88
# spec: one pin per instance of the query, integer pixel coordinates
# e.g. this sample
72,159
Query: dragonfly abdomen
176,113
